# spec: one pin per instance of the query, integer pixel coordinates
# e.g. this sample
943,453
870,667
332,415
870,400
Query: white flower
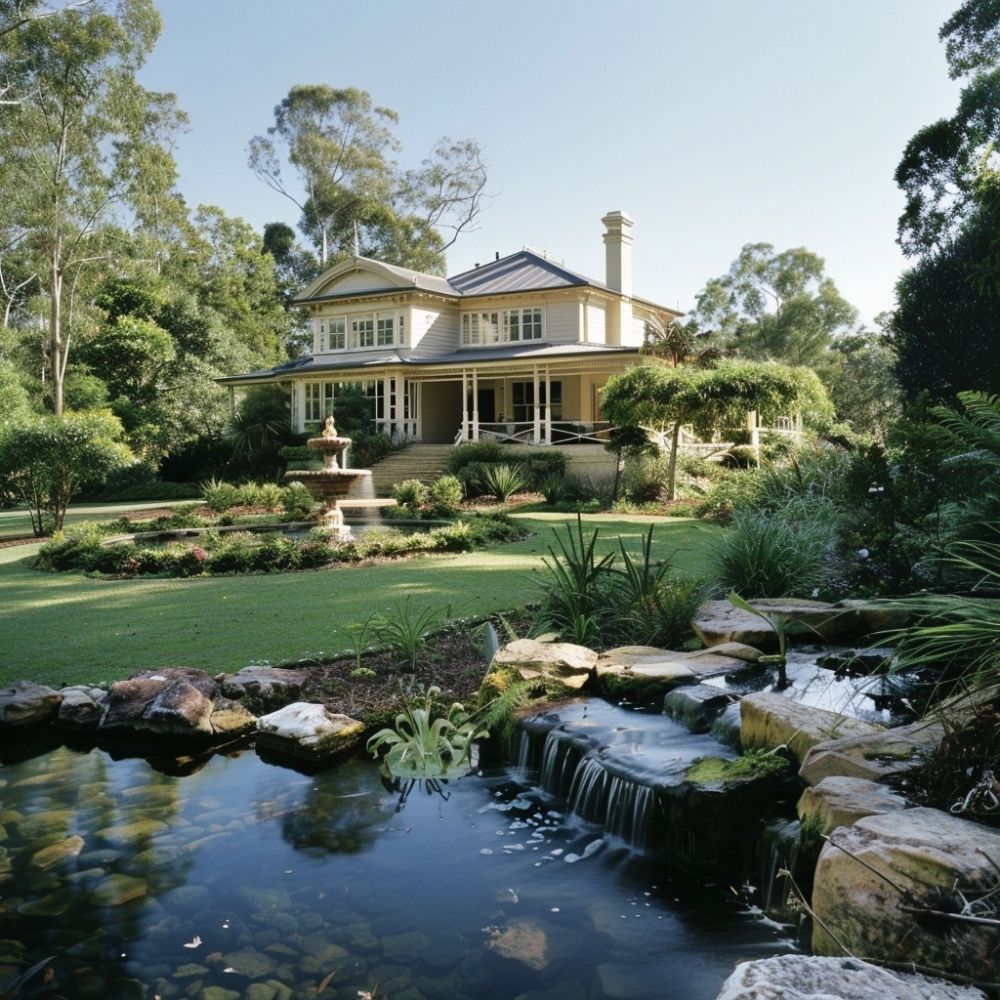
862,553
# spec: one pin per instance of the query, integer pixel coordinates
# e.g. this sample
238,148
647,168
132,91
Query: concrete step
425,462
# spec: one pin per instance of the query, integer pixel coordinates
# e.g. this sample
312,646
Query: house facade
514,350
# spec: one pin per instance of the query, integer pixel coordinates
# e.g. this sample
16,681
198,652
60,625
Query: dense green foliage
44,461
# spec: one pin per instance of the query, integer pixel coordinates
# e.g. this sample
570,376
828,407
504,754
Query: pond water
245,880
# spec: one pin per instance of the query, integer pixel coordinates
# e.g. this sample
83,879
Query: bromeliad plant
427,740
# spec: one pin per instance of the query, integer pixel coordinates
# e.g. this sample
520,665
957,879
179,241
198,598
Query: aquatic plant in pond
426,740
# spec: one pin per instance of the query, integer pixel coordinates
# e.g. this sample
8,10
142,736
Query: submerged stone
117,890
55,853
129,834
523,941
250,963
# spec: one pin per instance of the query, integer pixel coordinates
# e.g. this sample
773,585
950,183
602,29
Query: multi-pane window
385,330
338,333
500,327
319,400
523,397
363,331
374,329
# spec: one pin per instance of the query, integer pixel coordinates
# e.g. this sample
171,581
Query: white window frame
385,330
483,329
337,333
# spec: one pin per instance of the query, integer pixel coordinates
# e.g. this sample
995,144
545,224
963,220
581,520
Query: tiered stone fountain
332,484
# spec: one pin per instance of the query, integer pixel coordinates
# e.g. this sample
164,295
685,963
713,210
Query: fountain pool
246,875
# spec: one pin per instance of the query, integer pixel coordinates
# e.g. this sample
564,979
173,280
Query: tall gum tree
340,147
86,140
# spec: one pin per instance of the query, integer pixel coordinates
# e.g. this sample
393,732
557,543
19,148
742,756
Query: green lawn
17,523
66,628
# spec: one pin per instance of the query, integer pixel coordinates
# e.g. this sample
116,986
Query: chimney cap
618,219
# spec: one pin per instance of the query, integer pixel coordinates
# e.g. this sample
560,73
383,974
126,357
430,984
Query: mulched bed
452,661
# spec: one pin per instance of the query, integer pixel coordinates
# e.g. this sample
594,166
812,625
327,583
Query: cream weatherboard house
515,350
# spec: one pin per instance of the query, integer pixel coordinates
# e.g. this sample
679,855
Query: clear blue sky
712,123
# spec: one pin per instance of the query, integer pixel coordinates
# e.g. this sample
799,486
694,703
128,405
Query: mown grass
17,523
66,628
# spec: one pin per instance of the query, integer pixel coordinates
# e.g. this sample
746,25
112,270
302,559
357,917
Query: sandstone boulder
871,876
875,756
769,720
271,687
719,621
308,731
842,801
178,701
802,977
571,666
642,671
27,704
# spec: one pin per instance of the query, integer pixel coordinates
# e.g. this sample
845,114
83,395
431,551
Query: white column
386,427
475,405
465,405
537,436
548,408
416,413
299,406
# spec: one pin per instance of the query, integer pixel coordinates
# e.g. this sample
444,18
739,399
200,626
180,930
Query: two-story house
514,350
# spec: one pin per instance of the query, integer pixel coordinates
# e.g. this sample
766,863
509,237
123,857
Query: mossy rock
716,770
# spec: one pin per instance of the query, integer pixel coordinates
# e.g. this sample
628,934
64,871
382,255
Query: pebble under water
246,881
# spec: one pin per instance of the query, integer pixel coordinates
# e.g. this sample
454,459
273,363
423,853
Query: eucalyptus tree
340,147
86,140
775,306
940,164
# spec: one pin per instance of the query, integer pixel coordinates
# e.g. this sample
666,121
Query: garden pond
247,880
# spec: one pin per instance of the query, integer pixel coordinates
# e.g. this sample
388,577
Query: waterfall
623,806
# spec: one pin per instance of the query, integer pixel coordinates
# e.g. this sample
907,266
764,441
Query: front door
486,404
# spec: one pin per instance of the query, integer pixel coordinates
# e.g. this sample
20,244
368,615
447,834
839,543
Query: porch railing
563,432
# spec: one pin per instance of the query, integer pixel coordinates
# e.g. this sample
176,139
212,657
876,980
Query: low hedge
215,554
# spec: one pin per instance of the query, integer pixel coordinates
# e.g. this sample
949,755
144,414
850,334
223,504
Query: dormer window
338,334
363,331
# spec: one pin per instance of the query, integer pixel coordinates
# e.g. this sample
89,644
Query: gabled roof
524,271
385,277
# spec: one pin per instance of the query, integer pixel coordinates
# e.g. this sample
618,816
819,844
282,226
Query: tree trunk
55,334
675,436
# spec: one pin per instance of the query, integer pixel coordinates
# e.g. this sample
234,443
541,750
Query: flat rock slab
874,756
271,686
769,720
646,667
871,875
310,731
842,801
26,704
570,665
802,977
719,621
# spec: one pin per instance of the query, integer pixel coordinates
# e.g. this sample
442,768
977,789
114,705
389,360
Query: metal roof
507,352
523,271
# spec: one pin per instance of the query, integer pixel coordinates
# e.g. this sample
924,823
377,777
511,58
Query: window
363,332
386,331
319,401
321,336
312,400
338,334
523,397
501,327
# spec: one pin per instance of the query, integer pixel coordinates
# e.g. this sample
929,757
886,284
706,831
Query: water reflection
241,874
